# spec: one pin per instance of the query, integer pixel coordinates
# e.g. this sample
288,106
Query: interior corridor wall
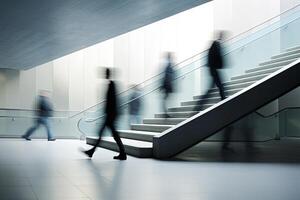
72,79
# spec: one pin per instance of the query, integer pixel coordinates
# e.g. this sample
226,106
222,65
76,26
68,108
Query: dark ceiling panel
33,32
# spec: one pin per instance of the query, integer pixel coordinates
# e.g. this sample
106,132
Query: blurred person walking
167,83
215,63
110,120
135,105
44,111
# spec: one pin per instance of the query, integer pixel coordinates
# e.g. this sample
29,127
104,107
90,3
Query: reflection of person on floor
110,120
44,111
227,136
215,62
246,131
167,83
135,106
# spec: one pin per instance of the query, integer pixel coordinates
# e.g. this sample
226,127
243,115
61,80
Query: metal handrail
28,110
277,112
29,117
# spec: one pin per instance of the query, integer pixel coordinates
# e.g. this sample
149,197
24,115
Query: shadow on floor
275,151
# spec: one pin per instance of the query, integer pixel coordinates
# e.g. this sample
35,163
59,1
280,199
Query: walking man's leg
90,152
227,136
122,155
164,105
219,84
203,99
48,129
31,130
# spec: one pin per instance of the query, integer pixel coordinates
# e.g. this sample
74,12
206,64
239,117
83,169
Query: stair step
163,121
216,94
217,99
189,108
234,86
259,69
177,114
212,100
150,127
244,80
286,54
257,73
137,135
281,63
135,148
289,57
293,48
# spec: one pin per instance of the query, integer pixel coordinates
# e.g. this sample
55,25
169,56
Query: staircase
139,140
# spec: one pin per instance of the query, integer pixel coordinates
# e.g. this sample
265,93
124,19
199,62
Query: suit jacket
111,101
215,57
45,107
169,76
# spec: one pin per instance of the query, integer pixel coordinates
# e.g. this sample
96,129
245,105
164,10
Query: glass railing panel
245,57
253,127
242,53
15,125
90,126
249,56
291,125
290,34
263,127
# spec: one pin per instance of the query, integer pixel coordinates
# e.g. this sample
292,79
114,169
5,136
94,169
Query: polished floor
57,170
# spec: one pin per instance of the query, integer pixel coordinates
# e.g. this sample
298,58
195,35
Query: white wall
138,54
73,80
240,15
288,4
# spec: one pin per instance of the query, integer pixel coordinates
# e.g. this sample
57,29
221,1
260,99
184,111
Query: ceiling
33,32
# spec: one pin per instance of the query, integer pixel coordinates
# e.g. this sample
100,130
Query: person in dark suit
215,62
167,83
44,111
110,120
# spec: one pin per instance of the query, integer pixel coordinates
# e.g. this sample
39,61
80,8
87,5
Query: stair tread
170,118
138,132
279,62
292,48
127,142
265,70
281,58
261,68
152,125
257,73
210,98
246,78
231,90
179,112
234,84
192,106
286,53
